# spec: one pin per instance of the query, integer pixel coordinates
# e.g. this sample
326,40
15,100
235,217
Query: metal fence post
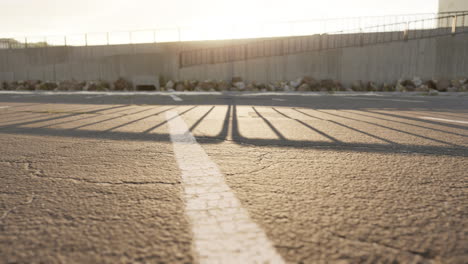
86,39
26,42
65,40
406,32
454,25
107,38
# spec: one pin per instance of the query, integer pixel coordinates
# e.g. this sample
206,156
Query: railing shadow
230,131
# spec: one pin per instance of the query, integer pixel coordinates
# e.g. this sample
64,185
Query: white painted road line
384,99
443,119
96,96
3,107
278,99
222,230
175,97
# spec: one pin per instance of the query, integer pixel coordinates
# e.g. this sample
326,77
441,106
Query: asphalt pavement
233,178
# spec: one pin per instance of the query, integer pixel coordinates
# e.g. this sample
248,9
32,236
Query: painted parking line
443,119
175,97
222,230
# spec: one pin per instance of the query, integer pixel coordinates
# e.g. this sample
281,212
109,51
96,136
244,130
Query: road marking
222,230
443,119
383,99
175,97
95,96
3,107
278,99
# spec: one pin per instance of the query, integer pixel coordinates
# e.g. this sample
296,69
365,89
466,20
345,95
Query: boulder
386,87
74,85
372,87
295,84
443,85
208,85
50,86
304,88
271,87
223,86
357,86
422,88
97,86
408,84
251,87
122,85
170,85
417,81
180,86
236,79
400,88
240,86
431,84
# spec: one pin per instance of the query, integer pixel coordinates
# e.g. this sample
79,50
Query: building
453,5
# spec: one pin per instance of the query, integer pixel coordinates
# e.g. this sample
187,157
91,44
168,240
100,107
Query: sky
66,17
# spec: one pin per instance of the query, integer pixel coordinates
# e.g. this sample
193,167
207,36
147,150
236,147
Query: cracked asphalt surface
329,178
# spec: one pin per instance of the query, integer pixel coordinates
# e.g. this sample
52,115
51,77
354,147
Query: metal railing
448,24
255,30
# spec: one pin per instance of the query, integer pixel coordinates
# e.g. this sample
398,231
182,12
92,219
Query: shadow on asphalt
231,122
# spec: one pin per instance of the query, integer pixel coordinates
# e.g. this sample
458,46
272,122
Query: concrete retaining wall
442,57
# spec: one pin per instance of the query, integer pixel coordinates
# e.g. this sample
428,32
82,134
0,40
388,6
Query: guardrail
421,28
259,30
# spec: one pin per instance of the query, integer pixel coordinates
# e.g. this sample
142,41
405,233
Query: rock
400,88
304,88
97,86
431,84
422,88
311,82
74,85
236,79
50,86
372,87
408,84
442,85
271,87
170,85
457,83
357,86
287,88
223,86
208,85
388,87
122,85
417,81
251,87
295,84
240,86
180,86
